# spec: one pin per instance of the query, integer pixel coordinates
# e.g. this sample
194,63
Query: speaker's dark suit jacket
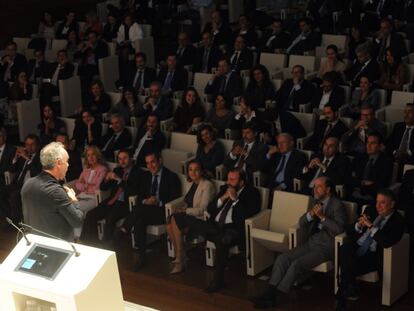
123,141
179,80
294,166
316,140
302,96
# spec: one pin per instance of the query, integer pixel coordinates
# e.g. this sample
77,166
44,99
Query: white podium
49,271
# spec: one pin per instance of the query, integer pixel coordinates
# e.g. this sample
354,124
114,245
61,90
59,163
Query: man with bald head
325,218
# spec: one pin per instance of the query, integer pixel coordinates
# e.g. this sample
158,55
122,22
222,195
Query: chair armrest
406,87
184,164
395,187
301,142
8,177
339,241
165,125
380,114
340,191
297,236
244,73
258,178
260,220
298,184
220,172
305,107
171,206
132,201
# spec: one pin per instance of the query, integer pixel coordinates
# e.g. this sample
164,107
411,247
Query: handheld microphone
50,235
10,222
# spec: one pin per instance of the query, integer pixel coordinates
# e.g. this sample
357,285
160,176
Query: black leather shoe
214,286
265,301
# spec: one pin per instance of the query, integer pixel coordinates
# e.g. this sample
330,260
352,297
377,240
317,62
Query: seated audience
50,126
192,209
247,115
190,113
354,140
158,186
241,58
364,65
21,89
332,62
129,31
87,131
248,153
98,102
122,182
46,28
207,54
393,72
12,63
330,163
220,30
110,30
328,126
127,107
357,38
295,91
275,40
89,181
172,77
372,170
307,39
91,25
221,115
377,228
284,163
184,51
118,137
150,139
260,89
365,95
329,92
210,152
74,46
325,218
224,81
75,161
69,24
386,38
246,31
156,103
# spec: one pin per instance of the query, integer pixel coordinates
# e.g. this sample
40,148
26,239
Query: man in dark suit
330,163
172,77
235,202
372,170
365,64
241,58
246,30
156,103
284,163
329,126
61,70
306,40
122,183
248,153
377,228
354,140
149,139
219,29
117,137
157,186
295,91
37,68
387,38
184,50
138,76
325,218
374,11
401,143
276,39
25,164
248,114
225,81
12,63
207,55
329,92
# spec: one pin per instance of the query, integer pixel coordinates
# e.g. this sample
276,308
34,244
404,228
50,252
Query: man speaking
47,205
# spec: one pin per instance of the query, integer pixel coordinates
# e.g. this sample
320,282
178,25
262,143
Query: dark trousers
352,265
224,237
111,214
144,215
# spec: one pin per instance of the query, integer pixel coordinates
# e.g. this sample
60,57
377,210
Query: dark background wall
20,18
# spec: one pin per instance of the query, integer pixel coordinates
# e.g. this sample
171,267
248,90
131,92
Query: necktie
289,103
317,222
168,79
242,159
140,145
404,141
138,82
224,212
223,84
368,168
110,144
56,75
269,41
328,129
154,185
366,239
281,166
235,60
119,191
205,59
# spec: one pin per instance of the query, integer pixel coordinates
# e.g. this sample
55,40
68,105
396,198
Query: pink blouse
90,180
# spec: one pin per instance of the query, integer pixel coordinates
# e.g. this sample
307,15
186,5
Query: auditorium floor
156,288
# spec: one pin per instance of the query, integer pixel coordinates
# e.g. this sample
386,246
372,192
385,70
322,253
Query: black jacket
179,80
243,62
277,41
232,89
36,72
213,58
316,140
311,41
123,141
19,65
156,144
299,97
34,167
6,161
336,98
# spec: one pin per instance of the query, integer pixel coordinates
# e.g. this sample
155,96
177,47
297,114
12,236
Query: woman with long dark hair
260,88
393,72
190,113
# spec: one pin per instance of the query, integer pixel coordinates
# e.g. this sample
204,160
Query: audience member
127,107
260,88
50,126
69,24
306,40
241,58
190,114
221,115
156,103
172,77
129,31
365,95
185,53
364,65
110,30
37,68
12,63
207,54
333,62
357,38
117,138
275,40
386,38
220,31
329,92
393,72
74,46
91,25
98,102
21,89
246,31
87,131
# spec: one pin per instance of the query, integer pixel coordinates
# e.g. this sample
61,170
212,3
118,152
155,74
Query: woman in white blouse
129,31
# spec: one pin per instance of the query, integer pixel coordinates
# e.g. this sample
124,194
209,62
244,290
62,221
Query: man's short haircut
11,43
157,155
128,152
387,193
32,137
300,67
329,183
377,135
332,106
51,153
141,54
249,125
224,59
367,106
287,135
241,172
